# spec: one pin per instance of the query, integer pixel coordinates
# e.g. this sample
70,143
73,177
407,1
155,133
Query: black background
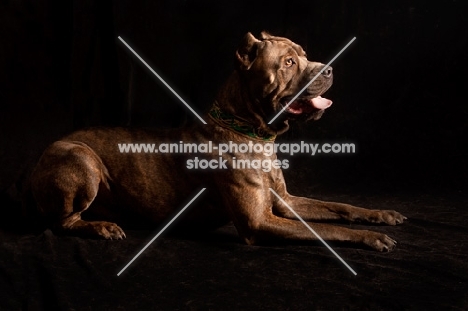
399,95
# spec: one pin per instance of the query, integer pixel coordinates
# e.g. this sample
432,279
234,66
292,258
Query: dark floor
427,271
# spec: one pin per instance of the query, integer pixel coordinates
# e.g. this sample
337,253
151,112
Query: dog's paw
108,230
379,241
388,217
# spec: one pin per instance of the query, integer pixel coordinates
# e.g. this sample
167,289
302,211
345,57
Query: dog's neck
235,109
238,124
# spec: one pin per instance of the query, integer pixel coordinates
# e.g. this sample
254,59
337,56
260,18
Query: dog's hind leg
64,183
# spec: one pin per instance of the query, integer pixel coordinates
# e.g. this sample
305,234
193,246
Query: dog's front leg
316,210
311,209
251,210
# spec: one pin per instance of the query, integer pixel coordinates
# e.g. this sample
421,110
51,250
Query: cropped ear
247,51
265,35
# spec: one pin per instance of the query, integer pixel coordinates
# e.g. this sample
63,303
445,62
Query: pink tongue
320,102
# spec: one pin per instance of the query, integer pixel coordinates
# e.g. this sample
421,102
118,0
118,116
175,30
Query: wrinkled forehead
275,50
282,47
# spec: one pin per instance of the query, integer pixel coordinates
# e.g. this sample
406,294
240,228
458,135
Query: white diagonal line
160,232
311,81
313,231
162,80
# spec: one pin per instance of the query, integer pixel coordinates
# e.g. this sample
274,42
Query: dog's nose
327,72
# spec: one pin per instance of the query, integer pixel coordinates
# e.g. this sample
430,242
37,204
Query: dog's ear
247,51
265,35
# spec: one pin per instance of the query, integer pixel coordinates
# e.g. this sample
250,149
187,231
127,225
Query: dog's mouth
305,106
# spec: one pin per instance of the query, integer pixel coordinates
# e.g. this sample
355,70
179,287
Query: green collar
238,124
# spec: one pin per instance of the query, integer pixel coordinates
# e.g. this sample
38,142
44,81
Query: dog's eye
289,62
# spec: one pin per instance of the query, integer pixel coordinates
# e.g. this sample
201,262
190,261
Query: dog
85,170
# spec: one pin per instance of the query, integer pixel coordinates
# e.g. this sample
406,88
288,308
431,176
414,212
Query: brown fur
86,167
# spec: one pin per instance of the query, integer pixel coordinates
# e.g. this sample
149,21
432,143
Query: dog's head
275,70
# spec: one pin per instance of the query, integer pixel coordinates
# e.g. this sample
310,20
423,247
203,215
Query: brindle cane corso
87,167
